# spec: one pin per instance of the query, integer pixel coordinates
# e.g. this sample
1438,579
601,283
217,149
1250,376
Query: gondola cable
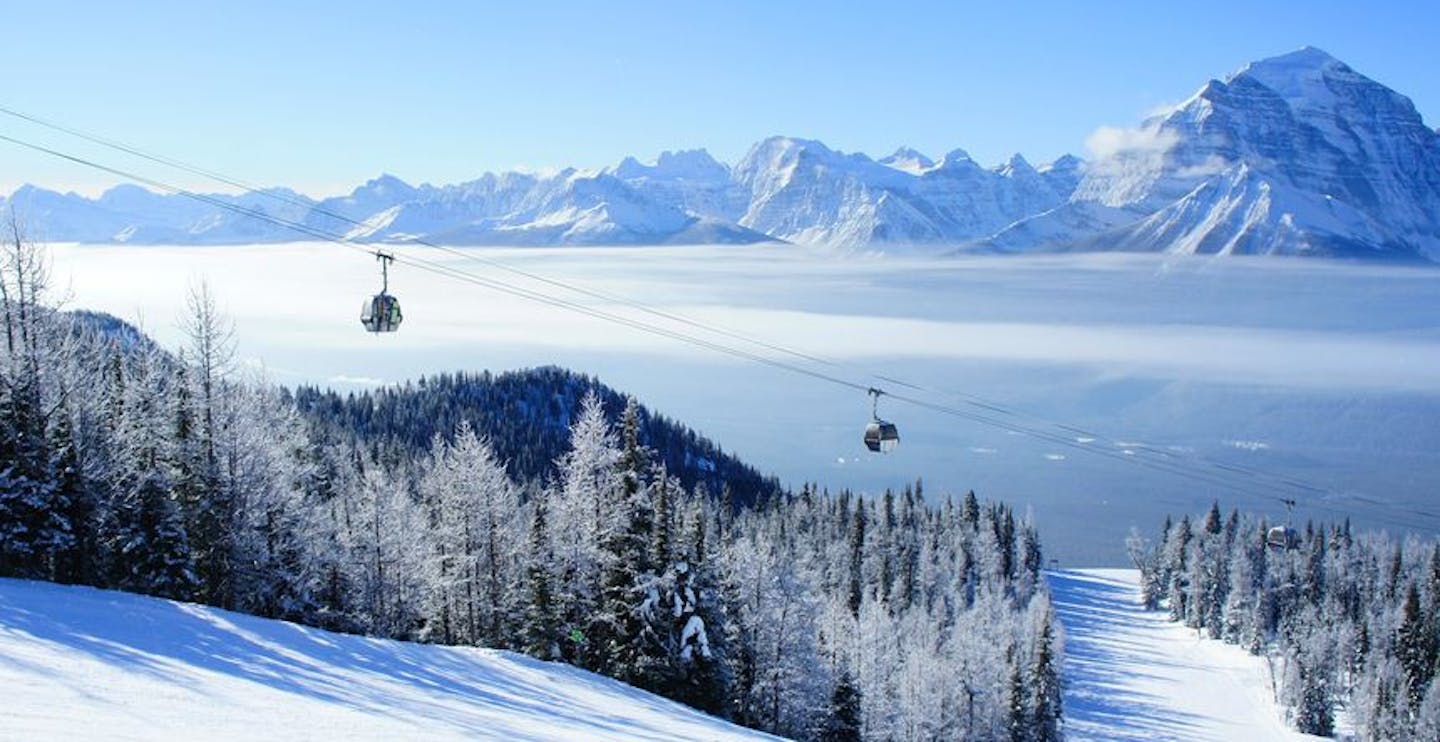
968,399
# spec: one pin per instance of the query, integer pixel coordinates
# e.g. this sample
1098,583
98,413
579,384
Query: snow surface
80,663
1130,674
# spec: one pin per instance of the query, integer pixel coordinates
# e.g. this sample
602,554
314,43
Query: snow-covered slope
79,663
1131,675
1297,154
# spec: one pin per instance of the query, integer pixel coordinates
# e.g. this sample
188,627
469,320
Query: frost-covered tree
473,543
541,633
842,721
35,531
583,515
628,643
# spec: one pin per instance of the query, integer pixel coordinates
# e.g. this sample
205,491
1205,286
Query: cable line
968,399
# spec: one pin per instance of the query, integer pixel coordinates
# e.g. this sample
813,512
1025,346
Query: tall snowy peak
908,160
690,180
1297,154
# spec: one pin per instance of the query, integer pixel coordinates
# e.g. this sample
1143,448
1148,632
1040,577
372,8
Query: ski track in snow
79,663
1131,675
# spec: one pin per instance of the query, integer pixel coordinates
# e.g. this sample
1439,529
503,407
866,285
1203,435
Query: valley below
1098,391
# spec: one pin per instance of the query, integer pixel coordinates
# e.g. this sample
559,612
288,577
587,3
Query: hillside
526,416
80,663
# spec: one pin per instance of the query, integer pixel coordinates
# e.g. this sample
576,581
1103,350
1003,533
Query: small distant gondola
880,436
1284,537
381,312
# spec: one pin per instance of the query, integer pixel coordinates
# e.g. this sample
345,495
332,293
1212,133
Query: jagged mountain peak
908,160
686,159
688,164
955,158
1062,163
784,148
382,185
1016,166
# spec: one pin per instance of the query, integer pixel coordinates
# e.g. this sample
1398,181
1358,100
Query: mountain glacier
1294,155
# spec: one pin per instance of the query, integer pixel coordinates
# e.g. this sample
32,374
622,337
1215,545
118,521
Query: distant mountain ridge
1295,155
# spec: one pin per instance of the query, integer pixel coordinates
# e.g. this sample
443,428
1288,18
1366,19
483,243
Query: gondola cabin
881,436
381,313
1282,537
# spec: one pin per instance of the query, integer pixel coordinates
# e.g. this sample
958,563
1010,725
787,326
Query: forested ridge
397,514
1350,621
526,416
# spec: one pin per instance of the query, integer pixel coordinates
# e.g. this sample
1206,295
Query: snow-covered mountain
572,207
129,213
1297,155
802,191
785,189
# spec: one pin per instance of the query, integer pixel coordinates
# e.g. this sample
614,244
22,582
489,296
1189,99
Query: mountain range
1292,155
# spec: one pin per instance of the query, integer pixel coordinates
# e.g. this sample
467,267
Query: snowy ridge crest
1293,155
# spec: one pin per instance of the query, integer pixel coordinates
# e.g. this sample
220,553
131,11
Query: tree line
1349,621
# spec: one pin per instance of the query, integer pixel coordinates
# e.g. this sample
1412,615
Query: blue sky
324,96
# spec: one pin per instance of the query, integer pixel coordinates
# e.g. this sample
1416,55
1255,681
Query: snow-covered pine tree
75,500
1045,702
842,720
1413,642
473,542
855,580
1175,563
583,515
34,532
1021,719
384,557
211,500
700,671
144,531
541,632
278,541
622,636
